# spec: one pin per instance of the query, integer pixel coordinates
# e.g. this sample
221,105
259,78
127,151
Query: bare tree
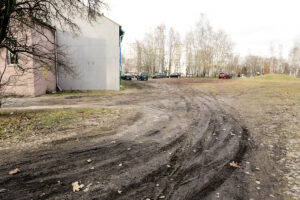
174,49
222,51
160,44
207,51
294,60
189,53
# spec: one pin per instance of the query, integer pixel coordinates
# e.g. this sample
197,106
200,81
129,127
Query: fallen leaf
43,194
2,190
15,171
76,186
235,164
87,188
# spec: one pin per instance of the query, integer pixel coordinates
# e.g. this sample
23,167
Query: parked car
175,75
225,75
126,76
143,76
159,75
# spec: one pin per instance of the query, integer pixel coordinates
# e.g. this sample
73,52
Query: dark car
126,76
175,75
143,76
225,75
159,75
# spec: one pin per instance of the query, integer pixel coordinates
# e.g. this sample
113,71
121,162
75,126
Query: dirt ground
178,140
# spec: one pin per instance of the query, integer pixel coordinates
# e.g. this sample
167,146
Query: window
12,58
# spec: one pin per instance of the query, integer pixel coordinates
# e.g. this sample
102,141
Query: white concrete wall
94,55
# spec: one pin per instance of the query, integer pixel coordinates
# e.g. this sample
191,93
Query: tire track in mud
180,149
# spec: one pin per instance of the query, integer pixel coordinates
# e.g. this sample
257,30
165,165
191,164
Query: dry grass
270,107
23,123
127,87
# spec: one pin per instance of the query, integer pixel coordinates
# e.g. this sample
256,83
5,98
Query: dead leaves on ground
235,164
15,171
76,186
2,190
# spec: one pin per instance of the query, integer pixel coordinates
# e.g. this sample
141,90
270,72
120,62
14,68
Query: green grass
43,121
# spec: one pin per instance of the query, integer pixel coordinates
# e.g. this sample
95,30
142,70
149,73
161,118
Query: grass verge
22,123
127,87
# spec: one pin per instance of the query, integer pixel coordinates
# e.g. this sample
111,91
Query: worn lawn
270,106
22,123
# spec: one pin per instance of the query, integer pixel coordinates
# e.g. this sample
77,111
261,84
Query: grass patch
19,123
268,87
127,87
277,77
80,93
269,106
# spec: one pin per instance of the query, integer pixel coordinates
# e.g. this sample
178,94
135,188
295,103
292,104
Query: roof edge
102,15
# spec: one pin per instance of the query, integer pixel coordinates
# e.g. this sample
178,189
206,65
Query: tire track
183,154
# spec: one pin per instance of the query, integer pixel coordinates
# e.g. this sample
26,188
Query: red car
225,75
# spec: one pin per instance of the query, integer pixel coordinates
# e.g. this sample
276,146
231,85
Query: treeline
202,52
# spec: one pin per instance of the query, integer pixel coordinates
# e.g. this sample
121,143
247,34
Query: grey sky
253,25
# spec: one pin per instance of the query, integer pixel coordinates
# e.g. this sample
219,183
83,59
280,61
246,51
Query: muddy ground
176,143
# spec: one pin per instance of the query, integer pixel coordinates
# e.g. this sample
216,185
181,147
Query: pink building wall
38,78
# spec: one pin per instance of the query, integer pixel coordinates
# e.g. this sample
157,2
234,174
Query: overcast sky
253,25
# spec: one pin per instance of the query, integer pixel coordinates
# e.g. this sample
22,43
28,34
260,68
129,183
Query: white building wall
94,55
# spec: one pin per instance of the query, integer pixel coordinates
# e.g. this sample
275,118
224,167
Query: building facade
27,75
93,57
94,54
